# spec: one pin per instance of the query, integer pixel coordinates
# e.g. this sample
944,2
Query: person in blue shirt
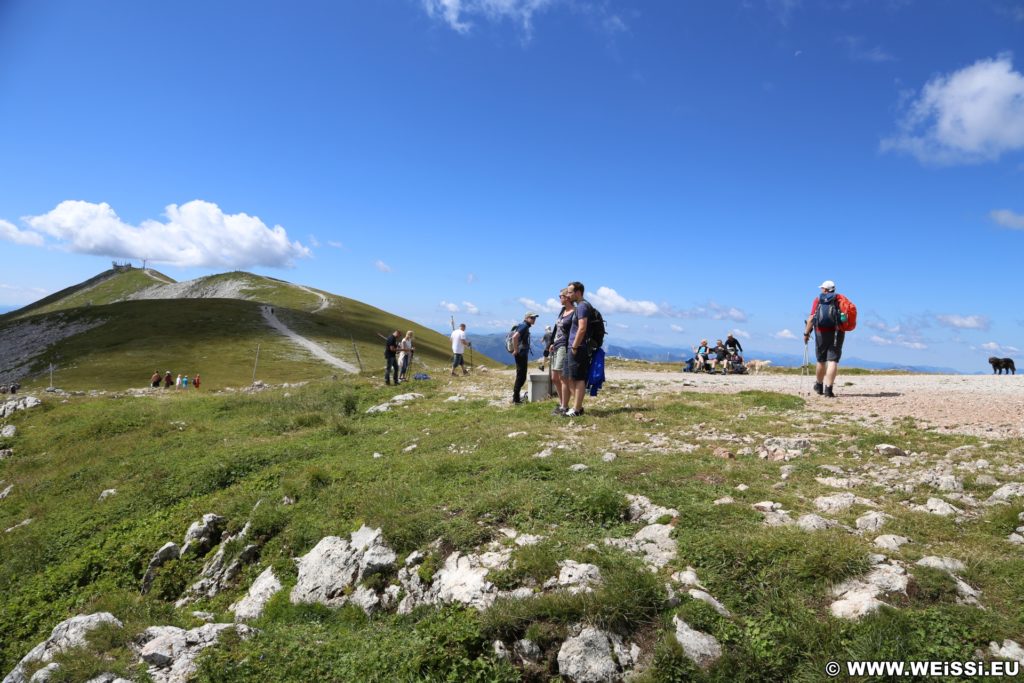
521,352
577,363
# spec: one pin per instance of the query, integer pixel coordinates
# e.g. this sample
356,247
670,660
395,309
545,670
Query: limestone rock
608,457
527,650
8,408
946,564
7,491
815,523
838,502
167,552
937,506
725,500
66,635
203,534
1010,650
8,431
704,649
263,588
872,521
6,453
654,542
329,571
891,541
641,509
500,650
707,598
218,572
688,577
107,493
171,652
1005,492
578,467
576,577
587,657
888,450
858,597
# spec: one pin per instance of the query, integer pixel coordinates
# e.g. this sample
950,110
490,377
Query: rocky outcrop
220,572
575,577
702,648
858,597
203,534
171,652
262,589
595,656
65,636
654,542
169,551
330,572
8,408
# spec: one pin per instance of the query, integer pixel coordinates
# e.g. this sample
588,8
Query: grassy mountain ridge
210,325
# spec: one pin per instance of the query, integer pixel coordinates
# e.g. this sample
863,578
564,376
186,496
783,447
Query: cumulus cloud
784,334
449,306
381,266
711,310
964,322
460,14
335,244
905,343
551,306
610,301
1008,219
736,332
1002,349
10,233
194,234
972,115
676,328
471,308
20,294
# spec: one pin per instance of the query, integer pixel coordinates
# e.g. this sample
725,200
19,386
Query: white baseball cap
828,284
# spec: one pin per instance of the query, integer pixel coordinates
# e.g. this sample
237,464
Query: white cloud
964,322
381,266
999,348
676,328
195,234
610,301
551,306
1008,219
458,14
905,343
470,278
471,308
336,244
784,334
10,233
314,242
20,294
740,333
968,116
449,306
711,310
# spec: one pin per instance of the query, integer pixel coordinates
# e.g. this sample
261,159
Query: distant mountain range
493,345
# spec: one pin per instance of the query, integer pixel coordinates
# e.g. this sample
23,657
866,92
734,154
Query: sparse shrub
537,562
174,577
349,403
599,504
317,477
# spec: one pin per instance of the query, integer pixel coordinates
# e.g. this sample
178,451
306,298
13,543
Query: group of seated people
726,354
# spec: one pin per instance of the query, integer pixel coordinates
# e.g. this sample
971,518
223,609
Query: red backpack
847,313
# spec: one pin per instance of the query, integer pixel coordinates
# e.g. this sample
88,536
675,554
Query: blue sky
700,165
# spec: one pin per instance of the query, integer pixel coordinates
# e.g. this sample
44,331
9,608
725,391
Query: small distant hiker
168,380
391,357
195,382
184,382
546,343
521,353
828,321
154,381
177,382
459,344
405,351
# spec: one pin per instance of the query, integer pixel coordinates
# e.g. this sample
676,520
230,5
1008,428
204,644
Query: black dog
1000,364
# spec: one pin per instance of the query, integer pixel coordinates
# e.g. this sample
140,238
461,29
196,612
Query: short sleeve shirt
582,311
459,341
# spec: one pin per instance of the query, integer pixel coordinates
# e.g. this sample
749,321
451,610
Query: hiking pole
806,370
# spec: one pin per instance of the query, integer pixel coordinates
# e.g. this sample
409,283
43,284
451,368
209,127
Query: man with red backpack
832,316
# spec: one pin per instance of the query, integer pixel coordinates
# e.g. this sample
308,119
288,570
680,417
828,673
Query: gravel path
307,344
981,405
324,302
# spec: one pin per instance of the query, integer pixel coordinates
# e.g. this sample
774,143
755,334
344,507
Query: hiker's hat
828,285
531,314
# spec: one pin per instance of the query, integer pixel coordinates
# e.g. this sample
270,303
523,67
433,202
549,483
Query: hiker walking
459,344
825,319
195,382
177,382
391,357
405,351
154,381
521,353
545,341
168,380
579,354
559,346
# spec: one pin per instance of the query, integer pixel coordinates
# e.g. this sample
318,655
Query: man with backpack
586,334
831,316
459,344
521,352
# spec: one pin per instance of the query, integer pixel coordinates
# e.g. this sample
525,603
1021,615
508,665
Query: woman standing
405,351
559,345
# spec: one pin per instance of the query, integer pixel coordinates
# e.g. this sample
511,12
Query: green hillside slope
216,337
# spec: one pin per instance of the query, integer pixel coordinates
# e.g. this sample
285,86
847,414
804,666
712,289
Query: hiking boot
819,388
559,410
517,401
572,412
828,392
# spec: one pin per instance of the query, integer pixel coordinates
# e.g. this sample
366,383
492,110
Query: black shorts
828,346
577,364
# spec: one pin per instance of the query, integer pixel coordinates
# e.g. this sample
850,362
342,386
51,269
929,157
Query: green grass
176,458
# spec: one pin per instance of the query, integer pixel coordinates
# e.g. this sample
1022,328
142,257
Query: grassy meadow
178,455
